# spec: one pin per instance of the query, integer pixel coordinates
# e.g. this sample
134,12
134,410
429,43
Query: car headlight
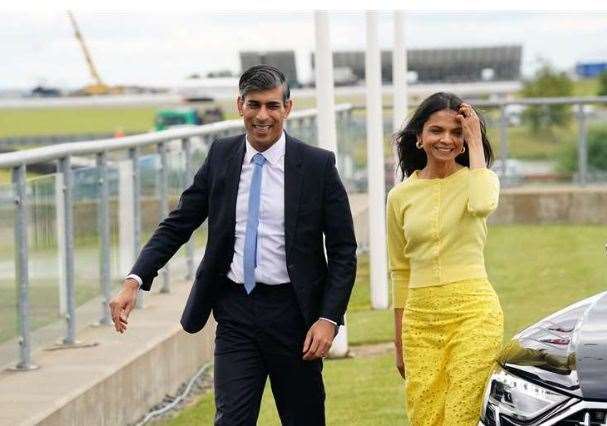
508,397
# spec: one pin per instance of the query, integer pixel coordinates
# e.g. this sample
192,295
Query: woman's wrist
475,143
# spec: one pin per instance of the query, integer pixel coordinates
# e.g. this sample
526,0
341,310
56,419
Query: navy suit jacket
316,206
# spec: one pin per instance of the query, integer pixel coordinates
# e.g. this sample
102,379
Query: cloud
143,47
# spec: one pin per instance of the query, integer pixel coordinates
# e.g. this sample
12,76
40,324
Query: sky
161,47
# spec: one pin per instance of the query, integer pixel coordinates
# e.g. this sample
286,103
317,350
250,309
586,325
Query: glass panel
85,197
176,185
47,302
8,283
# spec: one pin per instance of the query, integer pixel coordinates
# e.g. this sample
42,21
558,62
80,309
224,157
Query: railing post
21,268
125,217
66,172
504,143
582,145
136,185
164,206
186,146
103,223
60,231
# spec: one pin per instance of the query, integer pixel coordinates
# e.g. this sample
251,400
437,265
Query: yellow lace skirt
452,335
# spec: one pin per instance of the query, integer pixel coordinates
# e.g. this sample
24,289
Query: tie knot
259,159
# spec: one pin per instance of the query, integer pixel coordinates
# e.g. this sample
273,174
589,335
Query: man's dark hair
410,158
263,77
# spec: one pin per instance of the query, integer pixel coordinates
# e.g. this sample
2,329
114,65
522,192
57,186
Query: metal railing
579,103
100,149
505,108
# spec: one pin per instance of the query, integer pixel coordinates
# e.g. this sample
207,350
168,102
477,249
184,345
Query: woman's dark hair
410,158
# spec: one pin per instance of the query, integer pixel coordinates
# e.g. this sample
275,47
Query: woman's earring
418,144
463,149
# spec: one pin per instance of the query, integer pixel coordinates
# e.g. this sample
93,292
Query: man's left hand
318,340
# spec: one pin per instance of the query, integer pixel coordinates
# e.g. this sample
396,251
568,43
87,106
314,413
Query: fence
555,153
96,217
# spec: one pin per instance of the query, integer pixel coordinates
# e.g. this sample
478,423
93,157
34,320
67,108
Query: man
270,201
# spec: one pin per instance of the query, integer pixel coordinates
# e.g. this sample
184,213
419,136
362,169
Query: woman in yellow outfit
448,320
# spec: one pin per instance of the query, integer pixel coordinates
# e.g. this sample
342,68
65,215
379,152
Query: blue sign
590,69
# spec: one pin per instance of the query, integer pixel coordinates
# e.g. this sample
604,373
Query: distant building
590,69
453,65
284,60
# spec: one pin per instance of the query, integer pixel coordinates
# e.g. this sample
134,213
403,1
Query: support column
325,94
325,121
399,78
375,168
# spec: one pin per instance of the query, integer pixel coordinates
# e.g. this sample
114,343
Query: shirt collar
273,154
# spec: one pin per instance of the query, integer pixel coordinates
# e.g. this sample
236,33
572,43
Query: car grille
490,416
586,418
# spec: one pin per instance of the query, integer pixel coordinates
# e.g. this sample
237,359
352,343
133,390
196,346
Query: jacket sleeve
177,228
340,244
483,193
399,263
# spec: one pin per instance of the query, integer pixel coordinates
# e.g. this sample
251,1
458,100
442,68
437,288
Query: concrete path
116,379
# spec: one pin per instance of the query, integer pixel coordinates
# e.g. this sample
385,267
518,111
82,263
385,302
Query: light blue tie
250,241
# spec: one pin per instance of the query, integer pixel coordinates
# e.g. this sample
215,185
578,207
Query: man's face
264,113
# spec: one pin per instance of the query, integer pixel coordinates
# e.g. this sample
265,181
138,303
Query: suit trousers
261,335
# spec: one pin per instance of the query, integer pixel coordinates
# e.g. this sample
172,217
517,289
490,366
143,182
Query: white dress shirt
271,257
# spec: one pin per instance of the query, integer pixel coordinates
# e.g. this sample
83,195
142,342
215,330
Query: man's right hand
124,302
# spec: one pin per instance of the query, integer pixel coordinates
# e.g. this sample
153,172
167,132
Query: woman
448,320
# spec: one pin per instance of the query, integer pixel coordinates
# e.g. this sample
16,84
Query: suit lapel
293,180
234,168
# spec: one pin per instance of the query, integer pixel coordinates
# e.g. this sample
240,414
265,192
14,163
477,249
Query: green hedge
597,151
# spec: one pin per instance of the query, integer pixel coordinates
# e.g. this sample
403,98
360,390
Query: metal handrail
55,152
584,100
498,103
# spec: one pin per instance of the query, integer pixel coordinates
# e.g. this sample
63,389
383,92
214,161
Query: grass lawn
534,269
523,144
47,121
586,87
361,391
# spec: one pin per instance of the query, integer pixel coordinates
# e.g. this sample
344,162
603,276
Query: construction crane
98,87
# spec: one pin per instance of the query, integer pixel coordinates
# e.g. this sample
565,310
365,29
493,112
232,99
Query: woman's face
441,136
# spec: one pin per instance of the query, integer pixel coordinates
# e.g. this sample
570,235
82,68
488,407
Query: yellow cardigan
437,229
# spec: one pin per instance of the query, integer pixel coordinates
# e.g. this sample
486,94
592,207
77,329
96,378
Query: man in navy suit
274,205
